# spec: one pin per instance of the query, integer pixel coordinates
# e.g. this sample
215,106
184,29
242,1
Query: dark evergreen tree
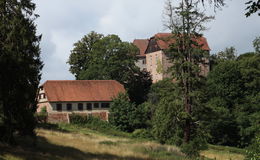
186,23
20,67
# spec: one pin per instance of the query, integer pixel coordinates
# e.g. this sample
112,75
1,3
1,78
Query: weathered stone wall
58,118
64,117
42,105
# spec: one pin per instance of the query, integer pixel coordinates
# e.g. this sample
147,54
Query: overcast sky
64,22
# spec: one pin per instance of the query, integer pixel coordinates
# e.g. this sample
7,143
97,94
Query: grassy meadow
71,142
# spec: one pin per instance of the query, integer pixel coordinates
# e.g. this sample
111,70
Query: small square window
96,105
80,106
69,107
89,106
105,105
59,107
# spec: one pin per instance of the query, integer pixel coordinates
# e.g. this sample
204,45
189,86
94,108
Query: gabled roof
161,41
142,45
82,90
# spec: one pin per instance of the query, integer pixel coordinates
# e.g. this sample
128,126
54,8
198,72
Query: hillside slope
73,143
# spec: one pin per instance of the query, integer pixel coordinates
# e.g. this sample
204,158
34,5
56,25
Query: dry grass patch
221,155
70,142
91,143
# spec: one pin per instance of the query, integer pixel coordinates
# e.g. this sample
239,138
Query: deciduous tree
125,115
106,57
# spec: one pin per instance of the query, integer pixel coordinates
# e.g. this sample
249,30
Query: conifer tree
20,67
186,22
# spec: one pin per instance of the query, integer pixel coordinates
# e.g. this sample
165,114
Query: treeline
228,114
227,108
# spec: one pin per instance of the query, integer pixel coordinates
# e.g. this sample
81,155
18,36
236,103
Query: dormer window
42,96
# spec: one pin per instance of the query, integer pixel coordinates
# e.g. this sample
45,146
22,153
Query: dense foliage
101,57
125,115
233,89
253,151
20,67
168,118
177,112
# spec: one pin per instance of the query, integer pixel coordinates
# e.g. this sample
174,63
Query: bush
197,144
96,124
78,119
143,134
253,151
43,110
126,116
41,118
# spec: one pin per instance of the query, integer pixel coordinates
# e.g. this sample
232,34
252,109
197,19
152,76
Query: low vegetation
74,142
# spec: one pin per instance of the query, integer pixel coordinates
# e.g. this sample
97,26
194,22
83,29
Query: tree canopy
233,87
101,57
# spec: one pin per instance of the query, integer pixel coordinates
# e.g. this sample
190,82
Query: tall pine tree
186,22
20,67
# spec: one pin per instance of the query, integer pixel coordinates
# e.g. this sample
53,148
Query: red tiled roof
82,90
164,40
142,45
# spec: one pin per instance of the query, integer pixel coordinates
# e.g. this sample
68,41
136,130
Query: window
59,107
144,61
89,106
80,106
96,105
69,107
105,105
43,95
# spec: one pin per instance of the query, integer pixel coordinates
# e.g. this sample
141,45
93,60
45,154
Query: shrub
41,117
126,116
142,133
96,124
78,119
43,110
253,151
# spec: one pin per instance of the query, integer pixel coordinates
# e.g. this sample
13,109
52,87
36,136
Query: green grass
74,142
224,153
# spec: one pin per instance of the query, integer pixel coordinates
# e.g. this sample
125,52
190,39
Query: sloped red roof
142,45
164,40
82,90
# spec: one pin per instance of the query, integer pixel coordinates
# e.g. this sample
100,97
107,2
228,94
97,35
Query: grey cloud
64,22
